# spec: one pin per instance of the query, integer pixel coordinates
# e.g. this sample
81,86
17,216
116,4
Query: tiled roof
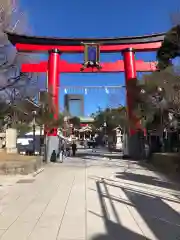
86,119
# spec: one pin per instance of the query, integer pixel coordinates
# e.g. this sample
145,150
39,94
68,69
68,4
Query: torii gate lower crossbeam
107,67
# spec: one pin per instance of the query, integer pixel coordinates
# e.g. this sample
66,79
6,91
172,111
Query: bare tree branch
11,78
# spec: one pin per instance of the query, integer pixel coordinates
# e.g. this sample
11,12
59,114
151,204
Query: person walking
67,149
60,155
74,148
93,145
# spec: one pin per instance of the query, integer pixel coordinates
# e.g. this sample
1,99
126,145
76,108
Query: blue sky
98,18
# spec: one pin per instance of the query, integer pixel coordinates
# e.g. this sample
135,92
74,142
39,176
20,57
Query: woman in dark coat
74,148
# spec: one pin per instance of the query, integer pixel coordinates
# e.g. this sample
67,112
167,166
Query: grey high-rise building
74,104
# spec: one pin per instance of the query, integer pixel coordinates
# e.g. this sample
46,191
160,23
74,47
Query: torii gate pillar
134,144
53,83
52,141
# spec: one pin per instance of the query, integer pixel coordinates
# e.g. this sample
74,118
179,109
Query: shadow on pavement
146,189
99,154
114,229
160,193
174,177
145,179
162,220
117,232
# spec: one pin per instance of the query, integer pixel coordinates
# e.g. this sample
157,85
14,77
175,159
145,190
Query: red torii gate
56,46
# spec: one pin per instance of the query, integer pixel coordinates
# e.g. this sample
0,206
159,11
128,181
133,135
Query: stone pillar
52,148
11,140
118,139
2,140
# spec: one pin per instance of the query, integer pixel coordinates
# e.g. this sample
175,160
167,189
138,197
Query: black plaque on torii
91,56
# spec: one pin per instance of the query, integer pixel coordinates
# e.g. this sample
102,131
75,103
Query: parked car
25,145
90,143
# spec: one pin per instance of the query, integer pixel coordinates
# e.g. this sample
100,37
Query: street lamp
34,130
65,126
105,126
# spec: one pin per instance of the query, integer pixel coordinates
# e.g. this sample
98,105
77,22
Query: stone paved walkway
90,198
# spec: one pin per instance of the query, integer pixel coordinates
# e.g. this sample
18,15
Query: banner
88,89
113,96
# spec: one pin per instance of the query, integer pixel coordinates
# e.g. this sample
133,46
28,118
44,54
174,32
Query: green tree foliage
23,127
170,48
111,118
150,102
75,121
23,112
13,116
155,95
45,112
46,117
159,94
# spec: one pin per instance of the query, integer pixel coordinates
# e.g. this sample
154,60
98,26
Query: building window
75,107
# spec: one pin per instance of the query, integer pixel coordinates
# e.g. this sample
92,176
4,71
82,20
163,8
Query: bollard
60,157
53,157
52,144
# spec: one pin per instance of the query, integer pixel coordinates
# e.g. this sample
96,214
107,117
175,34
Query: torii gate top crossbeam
69,45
